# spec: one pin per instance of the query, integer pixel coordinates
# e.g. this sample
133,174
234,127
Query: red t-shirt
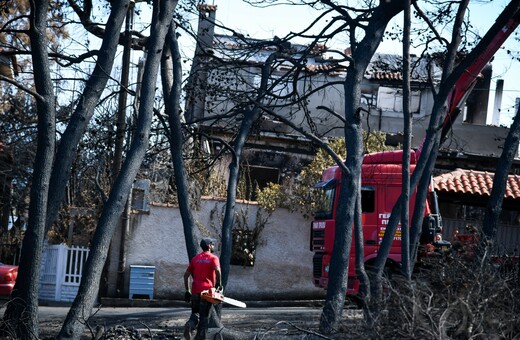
202,269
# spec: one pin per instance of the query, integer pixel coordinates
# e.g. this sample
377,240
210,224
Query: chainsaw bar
215,297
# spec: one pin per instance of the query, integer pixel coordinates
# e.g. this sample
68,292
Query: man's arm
218,276
187,275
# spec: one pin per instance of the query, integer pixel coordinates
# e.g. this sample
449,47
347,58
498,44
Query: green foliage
297,195
270,197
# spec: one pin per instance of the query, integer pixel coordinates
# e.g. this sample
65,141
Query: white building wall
283,266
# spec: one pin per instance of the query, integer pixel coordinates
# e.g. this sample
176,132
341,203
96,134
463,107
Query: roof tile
475,182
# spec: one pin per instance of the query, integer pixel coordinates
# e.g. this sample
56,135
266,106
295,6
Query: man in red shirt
204,269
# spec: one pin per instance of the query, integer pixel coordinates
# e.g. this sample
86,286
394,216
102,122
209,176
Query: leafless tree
21,313
407,141
362,52
81,308
452,71
172,82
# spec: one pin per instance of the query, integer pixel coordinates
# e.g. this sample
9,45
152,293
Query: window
368,199
325,199
391,99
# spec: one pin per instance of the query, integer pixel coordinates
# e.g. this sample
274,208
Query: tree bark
407,142
350,185
172,91
21,315
82,306
96,84
494,205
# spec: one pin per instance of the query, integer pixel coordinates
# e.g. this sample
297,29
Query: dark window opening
368,199
258,177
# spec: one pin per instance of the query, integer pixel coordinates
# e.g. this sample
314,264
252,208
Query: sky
280,20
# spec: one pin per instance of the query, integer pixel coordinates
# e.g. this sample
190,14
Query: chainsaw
215,297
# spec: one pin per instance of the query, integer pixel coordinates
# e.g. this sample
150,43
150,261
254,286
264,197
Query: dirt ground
261,323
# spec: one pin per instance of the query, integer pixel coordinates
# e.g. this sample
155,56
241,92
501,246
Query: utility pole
121,112
119,247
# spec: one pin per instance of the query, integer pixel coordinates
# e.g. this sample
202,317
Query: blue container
141,281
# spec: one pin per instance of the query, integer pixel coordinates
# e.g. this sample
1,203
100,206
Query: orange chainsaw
215,297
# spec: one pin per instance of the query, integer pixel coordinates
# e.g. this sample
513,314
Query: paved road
48,313
121,314
169,321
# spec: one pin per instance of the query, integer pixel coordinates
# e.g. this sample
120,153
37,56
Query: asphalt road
178,315
48,313
169,321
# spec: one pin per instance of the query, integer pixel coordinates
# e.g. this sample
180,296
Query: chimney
498,102
206,29
196,86
477,102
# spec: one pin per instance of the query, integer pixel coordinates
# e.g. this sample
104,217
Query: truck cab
381,182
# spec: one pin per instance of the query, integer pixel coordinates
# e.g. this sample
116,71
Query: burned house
301,87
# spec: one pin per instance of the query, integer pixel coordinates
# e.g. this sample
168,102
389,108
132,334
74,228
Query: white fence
61,270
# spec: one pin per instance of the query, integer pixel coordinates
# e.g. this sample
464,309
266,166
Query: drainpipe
125,233
380,123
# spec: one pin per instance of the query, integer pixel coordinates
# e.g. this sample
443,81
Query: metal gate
61,271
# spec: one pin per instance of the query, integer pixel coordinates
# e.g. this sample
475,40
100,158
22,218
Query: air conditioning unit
140,192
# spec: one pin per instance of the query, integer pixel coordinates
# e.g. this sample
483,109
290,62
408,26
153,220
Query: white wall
283,266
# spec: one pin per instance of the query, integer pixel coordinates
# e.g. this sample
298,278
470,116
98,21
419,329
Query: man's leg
193,321
202,328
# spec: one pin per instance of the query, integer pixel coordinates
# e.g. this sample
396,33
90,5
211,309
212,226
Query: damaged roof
389,67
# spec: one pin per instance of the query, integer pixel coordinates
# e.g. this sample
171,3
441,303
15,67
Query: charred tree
87,293
494,205
21,315
362,53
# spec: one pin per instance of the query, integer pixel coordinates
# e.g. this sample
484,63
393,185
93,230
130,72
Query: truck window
368,199
325,199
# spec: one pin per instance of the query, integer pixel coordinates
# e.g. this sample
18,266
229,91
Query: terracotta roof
207,8
475,183
323,67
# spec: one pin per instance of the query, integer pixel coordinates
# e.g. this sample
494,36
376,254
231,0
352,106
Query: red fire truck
381,180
